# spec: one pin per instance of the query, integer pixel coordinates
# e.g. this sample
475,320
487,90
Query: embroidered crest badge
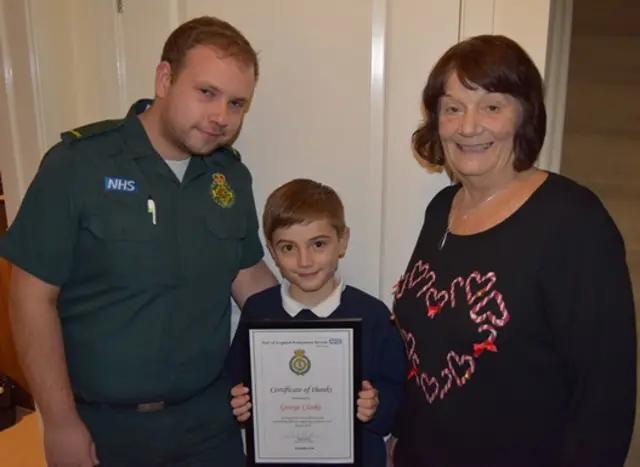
299,363
221,192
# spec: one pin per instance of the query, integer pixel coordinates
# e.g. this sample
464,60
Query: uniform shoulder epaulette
235,152
228,153
87,131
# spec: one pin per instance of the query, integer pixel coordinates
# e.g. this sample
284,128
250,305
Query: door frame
12,174
556,76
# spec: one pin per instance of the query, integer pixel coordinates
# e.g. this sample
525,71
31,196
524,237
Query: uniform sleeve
42,237
252,250
589,305
389,378
237,362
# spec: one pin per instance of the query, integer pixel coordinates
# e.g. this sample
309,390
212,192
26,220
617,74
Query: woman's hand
391,445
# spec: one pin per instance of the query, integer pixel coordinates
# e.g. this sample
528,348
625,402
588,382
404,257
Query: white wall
97,65
22,136
416,41
338,98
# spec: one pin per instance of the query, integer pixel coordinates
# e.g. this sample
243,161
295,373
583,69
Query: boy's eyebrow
319,237
284,240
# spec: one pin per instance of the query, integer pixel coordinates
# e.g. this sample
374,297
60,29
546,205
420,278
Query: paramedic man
127,247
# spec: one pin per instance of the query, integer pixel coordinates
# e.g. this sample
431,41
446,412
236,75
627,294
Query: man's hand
250,281
240,403
69,444
367,402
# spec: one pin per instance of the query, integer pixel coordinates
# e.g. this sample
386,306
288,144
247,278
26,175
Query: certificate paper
303,395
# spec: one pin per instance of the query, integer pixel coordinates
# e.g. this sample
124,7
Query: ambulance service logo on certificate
299,363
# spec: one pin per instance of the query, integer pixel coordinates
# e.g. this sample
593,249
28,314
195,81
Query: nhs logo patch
119,184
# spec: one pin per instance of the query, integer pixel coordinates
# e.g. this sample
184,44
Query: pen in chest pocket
151,209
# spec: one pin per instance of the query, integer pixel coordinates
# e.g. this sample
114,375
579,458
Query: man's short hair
211,32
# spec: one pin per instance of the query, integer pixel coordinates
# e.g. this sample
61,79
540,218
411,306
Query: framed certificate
304,382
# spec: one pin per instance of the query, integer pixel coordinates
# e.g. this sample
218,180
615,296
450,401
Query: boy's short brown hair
301,201
212,32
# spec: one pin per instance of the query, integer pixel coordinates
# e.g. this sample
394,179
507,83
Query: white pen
151,209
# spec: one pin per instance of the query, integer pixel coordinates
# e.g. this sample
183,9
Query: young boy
305,232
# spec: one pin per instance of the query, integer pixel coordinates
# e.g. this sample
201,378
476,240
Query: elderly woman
516,305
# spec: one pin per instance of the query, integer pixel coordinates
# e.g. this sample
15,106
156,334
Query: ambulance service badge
299,363
221,192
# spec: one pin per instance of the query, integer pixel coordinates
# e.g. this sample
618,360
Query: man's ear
164,78
343,241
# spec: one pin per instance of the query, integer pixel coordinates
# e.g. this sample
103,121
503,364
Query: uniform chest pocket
225,237
121,247
121,228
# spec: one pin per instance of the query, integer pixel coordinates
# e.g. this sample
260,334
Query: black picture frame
355,325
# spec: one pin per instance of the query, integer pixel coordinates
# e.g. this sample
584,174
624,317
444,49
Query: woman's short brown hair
212,32
496,64
301,201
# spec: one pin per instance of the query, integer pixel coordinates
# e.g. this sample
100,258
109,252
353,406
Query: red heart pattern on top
430,386
419,272
474,285
435,301
485,306
462,367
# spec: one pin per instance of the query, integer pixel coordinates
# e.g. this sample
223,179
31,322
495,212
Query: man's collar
135,135
321,310
138,107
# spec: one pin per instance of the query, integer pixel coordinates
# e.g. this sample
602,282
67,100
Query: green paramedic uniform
144,263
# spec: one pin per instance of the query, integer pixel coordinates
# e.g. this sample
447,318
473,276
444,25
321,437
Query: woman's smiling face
477,128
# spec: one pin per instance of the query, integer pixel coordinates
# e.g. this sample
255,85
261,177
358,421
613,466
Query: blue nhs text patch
119,184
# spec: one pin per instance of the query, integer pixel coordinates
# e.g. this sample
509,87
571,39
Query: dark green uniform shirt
144,307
